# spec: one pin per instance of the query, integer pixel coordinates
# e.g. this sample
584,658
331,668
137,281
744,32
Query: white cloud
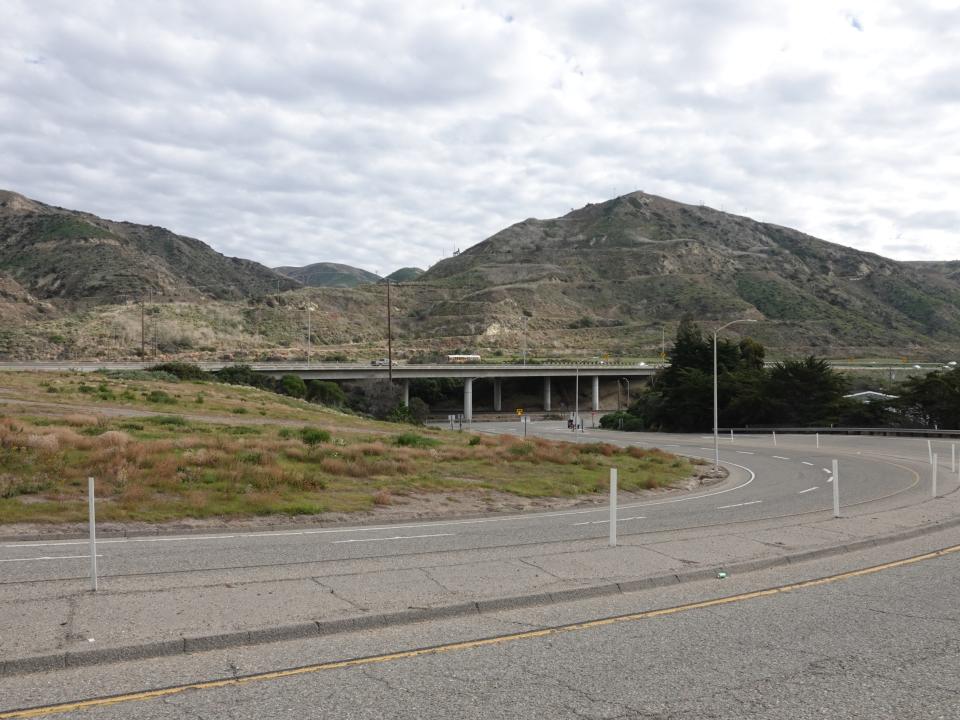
385,134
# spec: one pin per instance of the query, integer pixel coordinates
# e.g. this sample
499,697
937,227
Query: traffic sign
519,411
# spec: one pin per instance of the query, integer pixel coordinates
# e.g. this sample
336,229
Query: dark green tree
805,393
681,395
932,400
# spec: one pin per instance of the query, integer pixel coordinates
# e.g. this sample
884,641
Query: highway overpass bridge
589,374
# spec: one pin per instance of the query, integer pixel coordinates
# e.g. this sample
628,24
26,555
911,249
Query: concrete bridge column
468,400
595,406
497,394
406,393
546,394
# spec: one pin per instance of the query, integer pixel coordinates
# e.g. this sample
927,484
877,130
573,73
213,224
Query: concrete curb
300,631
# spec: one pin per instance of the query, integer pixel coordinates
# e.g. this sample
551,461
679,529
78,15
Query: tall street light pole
389,335
576,401
716,433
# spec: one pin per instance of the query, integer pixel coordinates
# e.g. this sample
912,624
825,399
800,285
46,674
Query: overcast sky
384,134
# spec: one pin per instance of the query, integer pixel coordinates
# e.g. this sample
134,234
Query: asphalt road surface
881,644
790,479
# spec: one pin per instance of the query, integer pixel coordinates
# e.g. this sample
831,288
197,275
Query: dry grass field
278,456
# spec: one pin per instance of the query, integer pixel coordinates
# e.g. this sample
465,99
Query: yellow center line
47,710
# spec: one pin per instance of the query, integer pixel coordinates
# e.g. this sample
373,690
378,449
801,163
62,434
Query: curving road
839,641
708,648
766,483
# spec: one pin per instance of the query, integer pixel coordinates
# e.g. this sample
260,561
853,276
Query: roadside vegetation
161,390
805,392
280,456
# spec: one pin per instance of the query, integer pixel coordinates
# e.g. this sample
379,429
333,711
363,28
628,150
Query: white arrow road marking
808,490
396,537
752,502
602,522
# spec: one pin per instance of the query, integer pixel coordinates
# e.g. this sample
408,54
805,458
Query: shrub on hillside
313,436
413,440
326,392
181,370
415,413
293,385
244,375
159,396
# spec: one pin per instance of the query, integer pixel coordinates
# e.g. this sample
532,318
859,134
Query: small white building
869,396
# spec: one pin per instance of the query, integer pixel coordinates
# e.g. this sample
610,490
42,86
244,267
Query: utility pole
389,336
524,348
308,332
154,327
143,327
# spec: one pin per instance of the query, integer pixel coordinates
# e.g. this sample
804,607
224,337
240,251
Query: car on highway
380,362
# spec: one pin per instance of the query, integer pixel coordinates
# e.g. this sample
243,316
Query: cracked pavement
810,653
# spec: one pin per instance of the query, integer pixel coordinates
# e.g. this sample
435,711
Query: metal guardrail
905,432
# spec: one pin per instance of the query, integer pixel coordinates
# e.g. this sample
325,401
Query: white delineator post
953,457
774,438
934,474
818,440
613,507
93,535
731,434
836,490
930,451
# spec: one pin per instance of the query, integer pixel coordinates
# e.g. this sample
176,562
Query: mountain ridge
608,278
55,253
641,254
328,274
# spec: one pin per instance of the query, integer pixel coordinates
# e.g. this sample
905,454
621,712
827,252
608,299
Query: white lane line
807,463
607,522
727,507
125,540
50,557
397,537
438,524
779,457
828,471
170,539
808,490
829,479
706,449
744,452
